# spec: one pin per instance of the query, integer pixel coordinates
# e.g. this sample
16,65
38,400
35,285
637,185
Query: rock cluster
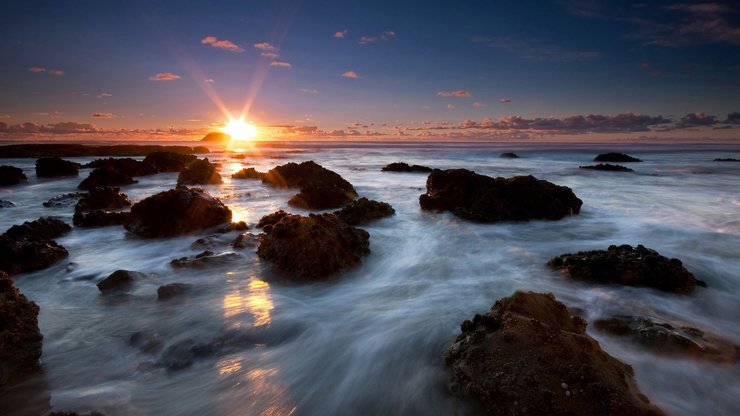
20,338
199,172
50,167
30,246
320,187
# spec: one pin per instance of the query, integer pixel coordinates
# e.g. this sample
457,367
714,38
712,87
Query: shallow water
372,341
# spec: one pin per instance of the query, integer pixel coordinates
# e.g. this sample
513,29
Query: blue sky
435,69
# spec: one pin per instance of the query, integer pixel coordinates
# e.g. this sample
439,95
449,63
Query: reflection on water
255,299
267,394
228,365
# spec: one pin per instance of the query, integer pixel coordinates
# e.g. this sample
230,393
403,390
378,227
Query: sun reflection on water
254,298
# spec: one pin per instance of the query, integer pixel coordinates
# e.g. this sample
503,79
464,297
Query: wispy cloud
209,80
536,50
478,104
165,76
281,64
37,69
103,115
450,106
340,34
350,74
456,93
104,95
309,91
270,55
385,36
265,47
697,120
221,44
505,101
57,72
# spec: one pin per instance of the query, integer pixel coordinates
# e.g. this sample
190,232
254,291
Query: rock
168,161
176,212
10,175
118,281
200,172
269,220
20,338
669,339
21,256
248,173
615,157
313,247
99,218
6,204
107,198
484,199
106,176
216,137
70,413
729,159
127,166
51,167
64,200
234,226
42,229
146,342
630,266
509,155
320,187
171,290
529,356
206,258
608,168
245,240
363,210
239,156
405,167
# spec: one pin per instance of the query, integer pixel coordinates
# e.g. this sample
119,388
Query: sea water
372,340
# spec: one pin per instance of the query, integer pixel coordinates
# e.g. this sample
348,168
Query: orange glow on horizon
240,130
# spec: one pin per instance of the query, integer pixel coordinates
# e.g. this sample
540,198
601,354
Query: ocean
372,340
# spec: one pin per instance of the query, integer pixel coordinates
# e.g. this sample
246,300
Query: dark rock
168,161
363,210
106,176
216,137
127,166
481,198
320,187
99,218
529,356
729,159
204,259
615,157
630,266
245,240
200,172
42,229
668,339
6,204
239,156
405,167
608,168
313,247
71,150
271,219
234,226
65,200
70,413
118,281
176,212
107,198
248,173
50,167
171,290
509,155
20,256
146,342
20,338
10,175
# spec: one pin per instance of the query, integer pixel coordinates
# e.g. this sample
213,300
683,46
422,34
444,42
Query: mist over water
372,340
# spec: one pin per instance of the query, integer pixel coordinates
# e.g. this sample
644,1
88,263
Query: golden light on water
255,299
239,129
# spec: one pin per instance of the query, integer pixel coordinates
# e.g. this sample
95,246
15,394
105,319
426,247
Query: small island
216,137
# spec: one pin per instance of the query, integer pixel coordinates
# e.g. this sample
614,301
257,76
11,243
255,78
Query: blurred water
372,341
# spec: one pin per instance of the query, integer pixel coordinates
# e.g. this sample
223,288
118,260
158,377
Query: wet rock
608,168
42,229
127,166
669,339
269,220
99,218
313,247
71,413
51,167
20,338
146,342
248,173
172,290
200,172
204,259
615,157
509,155
234,226
65,200
106,176
630,266
10,175
481,198
168,161
107,198
320,187
729,159
529,356
21,256
363,210
405,167
6,204
175,212
245,240
118,281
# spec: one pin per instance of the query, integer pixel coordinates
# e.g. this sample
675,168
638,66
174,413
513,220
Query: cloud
309,91
37,69
281,64
696,120
388,34
102,115
505,101
74,129
57,72
385,36
209,81
265,47
270,55
221,44
350,74
456,93
478,104
364,40
536,50
733,118
450,106
165,76
104,95
5,117
341,34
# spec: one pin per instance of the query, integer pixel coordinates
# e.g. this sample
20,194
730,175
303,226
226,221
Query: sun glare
238,129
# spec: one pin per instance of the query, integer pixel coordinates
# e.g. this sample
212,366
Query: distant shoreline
72,150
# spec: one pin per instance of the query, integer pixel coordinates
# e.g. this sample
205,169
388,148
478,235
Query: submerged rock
65,200
728,159
175,212
107,198
99,218
363,210
529,356
630,266
405,167
320,187
206,258
234,226
6,204
127,166
509,155
169,161
50,167
313,247
669,339
118,281
20,338
172,290
481,198
42,229
607,167
248,173
615,157
106,176
10,175
199,172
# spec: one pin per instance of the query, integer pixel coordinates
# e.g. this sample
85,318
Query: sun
238,129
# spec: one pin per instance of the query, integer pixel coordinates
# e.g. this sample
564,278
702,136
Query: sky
382,70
